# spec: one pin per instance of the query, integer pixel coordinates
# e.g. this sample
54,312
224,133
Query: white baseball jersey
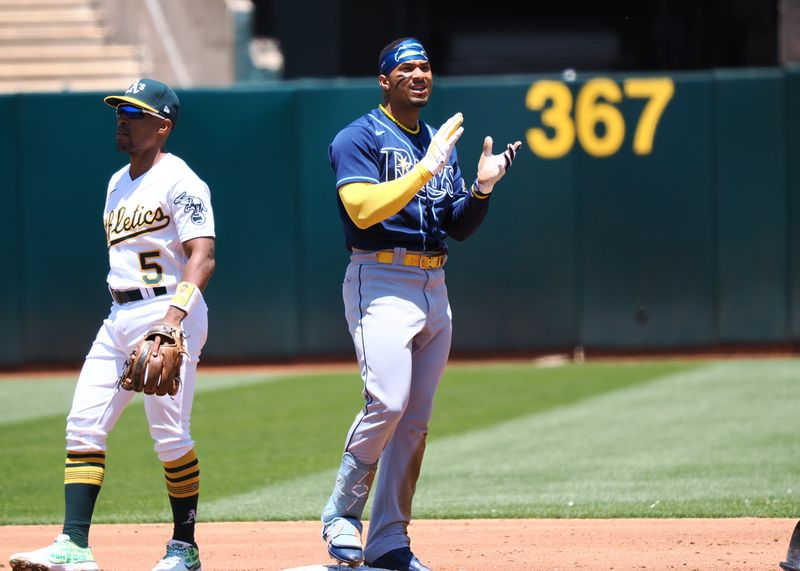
147,219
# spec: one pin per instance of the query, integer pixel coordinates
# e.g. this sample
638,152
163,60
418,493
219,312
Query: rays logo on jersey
397,162
122,225
194,205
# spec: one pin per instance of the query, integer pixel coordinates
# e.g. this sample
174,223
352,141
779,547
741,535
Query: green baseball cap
152,95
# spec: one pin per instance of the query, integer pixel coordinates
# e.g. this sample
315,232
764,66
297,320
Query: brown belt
423,261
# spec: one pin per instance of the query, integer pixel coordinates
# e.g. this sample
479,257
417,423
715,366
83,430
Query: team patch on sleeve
193,205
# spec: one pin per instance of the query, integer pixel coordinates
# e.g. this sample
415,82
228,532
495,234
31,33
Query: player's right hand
443,143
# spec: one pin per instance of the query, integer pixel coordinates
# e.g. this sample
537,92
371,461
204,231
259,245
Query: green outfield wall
645,211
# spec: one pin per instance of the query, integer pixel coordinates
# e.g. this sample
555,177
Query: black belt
126,296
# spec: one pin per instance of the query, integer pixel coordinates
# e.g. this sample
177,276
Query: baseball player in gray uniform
160,236
401,192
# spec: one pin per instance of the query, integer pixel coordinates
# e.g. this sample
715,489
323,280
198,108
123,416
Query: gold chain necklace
396,122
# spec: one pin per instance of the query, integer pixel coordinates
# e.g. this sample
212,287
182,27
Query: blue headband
404,51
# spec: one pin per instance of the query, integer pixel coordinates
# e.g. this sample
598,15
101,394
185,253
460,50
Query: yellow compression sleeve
367,204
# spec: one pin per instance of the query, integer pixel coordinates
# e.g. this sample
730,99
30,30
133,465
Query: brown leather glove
154,366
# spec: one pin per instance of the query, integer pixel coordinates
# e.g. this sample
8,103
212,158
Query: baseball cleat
790,566
62,555
180,556
344,542
400,559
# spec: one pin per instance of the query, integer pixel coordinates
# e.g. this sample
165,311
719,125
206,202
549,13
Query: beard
124,143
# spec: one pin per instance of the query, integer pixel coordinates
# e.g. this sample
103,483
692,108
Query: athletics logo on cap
152,95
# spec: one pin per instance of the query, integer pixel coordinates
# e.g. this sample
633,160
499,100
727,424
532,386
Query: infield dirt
736,544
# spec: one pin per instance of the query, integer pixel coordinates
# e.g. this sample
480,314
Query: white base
334,567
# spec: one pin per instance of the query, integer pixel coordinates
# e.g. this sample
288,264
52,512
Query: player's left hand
491,168
154,365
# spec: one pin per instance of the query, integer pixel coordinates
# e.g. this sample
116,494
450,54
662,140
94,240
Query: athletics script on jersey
122,224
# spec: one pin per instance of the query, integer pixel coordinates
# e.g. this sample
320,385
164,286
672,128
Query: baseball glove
154,366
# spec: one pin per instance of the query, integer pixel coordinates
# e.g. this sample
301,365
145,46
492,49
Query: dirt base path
745,544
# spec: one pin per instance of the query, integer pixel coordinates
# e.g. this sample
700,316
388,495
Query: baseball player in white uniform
159,229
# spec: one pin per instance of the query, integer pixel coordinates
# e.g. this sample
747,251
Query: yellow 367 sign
594,106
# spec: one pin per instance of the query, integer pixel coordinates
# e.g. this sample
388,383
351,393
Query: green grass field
633,439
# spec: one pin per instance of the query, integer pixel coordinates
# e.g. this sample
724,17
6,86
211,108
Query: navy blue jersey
373,149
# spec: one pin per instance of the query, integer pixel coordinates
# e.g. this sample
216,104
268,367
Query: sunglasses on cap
135,113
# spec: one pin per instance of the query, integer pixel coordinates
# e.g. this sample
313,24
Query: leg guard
341,516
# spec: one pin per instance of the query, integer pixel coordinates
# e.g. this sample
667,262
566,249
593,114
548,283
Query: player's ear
166,127
383,81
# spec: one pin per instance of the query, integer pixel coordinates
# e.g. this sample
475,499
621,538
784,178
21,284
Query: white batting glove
443,143
491,168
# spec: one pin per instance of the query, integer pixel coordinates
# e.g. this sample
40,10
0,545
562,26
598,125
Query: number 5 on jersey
152,273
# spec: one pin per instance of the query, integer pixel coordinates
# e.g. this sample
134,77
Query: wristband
186,296
476,192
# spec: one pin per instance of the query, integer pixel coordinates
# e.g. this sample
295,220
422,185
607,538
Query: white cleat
61,555
180,556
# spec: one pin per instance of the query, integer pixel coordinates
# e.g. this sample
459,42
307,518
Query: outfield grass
649,439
